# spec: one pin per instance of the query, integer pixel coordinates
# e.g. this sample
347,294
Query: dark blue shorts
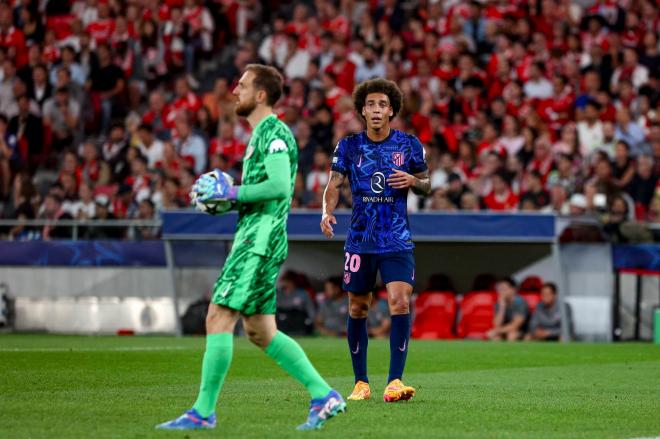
360,270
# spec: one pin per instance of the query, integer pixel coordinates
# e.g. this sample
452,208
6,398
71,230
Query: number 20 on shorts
352,262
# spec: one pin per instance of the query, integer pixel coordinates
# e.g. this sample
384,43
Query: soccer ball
213,207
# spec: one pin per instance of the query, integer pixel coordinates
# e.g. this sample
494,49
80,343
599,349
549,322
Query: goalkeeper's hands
214,186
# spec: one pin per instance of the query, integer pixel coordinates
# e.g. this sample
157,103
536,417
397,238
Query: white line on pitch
118,349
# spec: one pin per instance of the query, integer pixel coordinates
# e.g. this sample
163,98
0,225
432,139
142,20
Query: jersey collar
264,120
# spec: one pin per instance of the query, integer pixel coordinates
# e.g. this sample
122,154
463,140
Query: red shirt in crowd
232,148
345,74
506,201
101,30
191,102
14,38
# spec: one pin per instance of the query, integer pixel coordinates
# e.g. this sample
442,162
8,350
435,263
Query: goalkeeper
246,286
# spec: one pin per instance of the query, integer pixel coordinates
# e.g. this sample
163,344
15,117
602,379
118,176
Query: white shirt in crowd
153,153
590,137
540,89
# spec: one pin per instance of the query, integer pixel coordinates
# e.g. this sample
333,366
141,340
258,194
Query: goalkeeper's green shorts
247,283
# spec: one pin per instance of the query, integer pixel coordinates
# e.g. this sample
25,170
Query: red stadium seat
435,314
477,313
531,283
532,298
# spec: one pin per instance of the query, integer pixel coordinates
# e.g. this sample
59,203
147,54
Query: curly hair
378,85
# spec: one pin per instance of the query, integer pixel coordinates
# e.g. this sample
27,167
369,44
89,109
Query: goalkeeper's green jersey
262,225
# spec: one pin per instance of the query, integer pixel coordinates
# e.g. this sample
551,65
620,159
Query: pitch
120,387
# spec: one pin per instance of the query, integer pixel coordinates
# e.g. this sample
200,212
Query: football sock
399,337
289,355
217,358
358,340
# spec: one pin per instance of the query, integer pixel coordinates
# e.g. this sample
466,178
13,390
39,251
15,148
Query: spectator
623,168
227,143
538,86
372,67
469,202
6,154
149,145
295,309
108,85
590,130
68,63
631,133
94,170
511,312
52,210
40,89
114,151
342,69
535,191
501,197
317,178
558,200
643,184
85,207
333,310
190,145
630,70
21,232
170,196
146,212
102,212
185,100
297,59
61,115
545,324
220,100
27,129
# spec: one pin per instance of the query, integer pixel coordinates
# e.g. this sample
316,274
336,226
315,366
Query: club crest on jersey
397,158
347,277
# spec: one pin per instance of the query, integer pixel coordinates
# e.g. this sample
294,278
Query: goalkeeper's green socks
217,358
290,356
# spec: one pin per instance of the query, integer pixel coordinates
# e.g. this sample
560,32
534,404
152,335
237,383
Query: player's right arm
331,195
330,200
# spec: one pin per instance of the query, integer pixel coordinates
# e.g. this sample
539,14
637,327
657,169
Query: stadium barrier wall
97,273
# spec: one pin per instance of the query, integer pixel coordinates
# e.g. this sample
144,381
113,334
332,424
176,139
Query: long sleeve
276,186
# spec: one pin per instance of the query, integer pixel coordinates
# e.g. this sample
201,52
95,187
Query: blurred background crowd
111,108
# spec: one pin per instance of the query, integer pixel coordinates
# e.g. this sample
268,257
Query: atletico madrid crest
347,277
397,158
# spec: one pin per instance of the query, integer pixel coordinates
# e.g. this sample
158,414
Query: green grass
120,387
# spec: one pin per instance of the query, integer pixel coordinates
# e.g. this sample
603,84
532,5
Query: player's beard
245,109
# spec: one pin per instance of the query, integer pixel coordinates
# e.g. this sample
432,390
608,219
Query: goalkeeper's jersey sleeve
262,225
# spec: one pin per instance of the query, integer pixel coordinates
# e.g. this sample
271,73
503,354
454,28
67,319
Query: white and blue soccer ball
212,207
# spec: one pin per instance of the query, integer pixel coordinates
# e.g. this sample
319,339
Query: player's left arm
420,183
277,185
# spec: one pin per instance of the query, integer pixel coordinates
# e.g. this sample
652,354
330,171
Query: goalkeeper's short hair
378,85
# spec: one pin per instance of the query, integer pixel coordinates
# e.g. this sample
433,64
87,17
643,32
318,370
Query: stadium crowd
111,108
